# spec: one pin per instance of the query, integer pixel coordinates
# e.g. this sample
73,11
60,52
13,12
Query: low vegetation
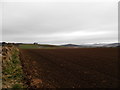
11,69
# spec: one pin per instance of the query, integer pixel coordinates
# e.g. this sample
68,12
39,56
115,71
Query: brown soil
71,68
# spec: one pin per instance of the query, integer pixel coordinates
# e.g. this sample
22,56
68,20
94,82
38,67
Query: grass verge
12,72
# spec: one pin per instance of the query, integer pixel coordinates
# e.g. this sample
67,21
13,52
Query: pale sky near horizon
60,21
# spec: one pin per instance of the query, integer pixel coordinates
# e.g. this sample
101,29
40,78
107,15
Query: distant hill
112,45
92,45
70,45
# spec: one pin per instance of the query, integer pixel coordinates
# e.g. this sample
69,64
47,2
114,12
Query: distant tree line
5,43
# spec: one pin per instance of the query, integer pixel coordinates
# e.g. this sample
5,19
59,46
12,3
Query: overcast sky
60,21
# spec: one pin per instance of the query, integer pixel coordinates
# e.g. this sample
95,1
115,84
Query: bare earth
70,68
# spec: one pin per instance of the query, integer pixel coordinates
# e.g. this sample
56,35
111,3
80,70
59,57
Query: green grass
28,46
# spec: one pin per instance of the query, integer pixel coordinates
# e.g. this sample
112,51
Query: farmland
26,46
70,67
36,46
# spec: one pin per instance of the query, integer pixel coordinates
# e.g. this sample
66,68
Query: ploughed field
70,67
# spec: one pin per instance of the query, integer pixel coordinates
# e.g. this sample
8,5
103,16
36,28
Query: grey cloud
57,22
